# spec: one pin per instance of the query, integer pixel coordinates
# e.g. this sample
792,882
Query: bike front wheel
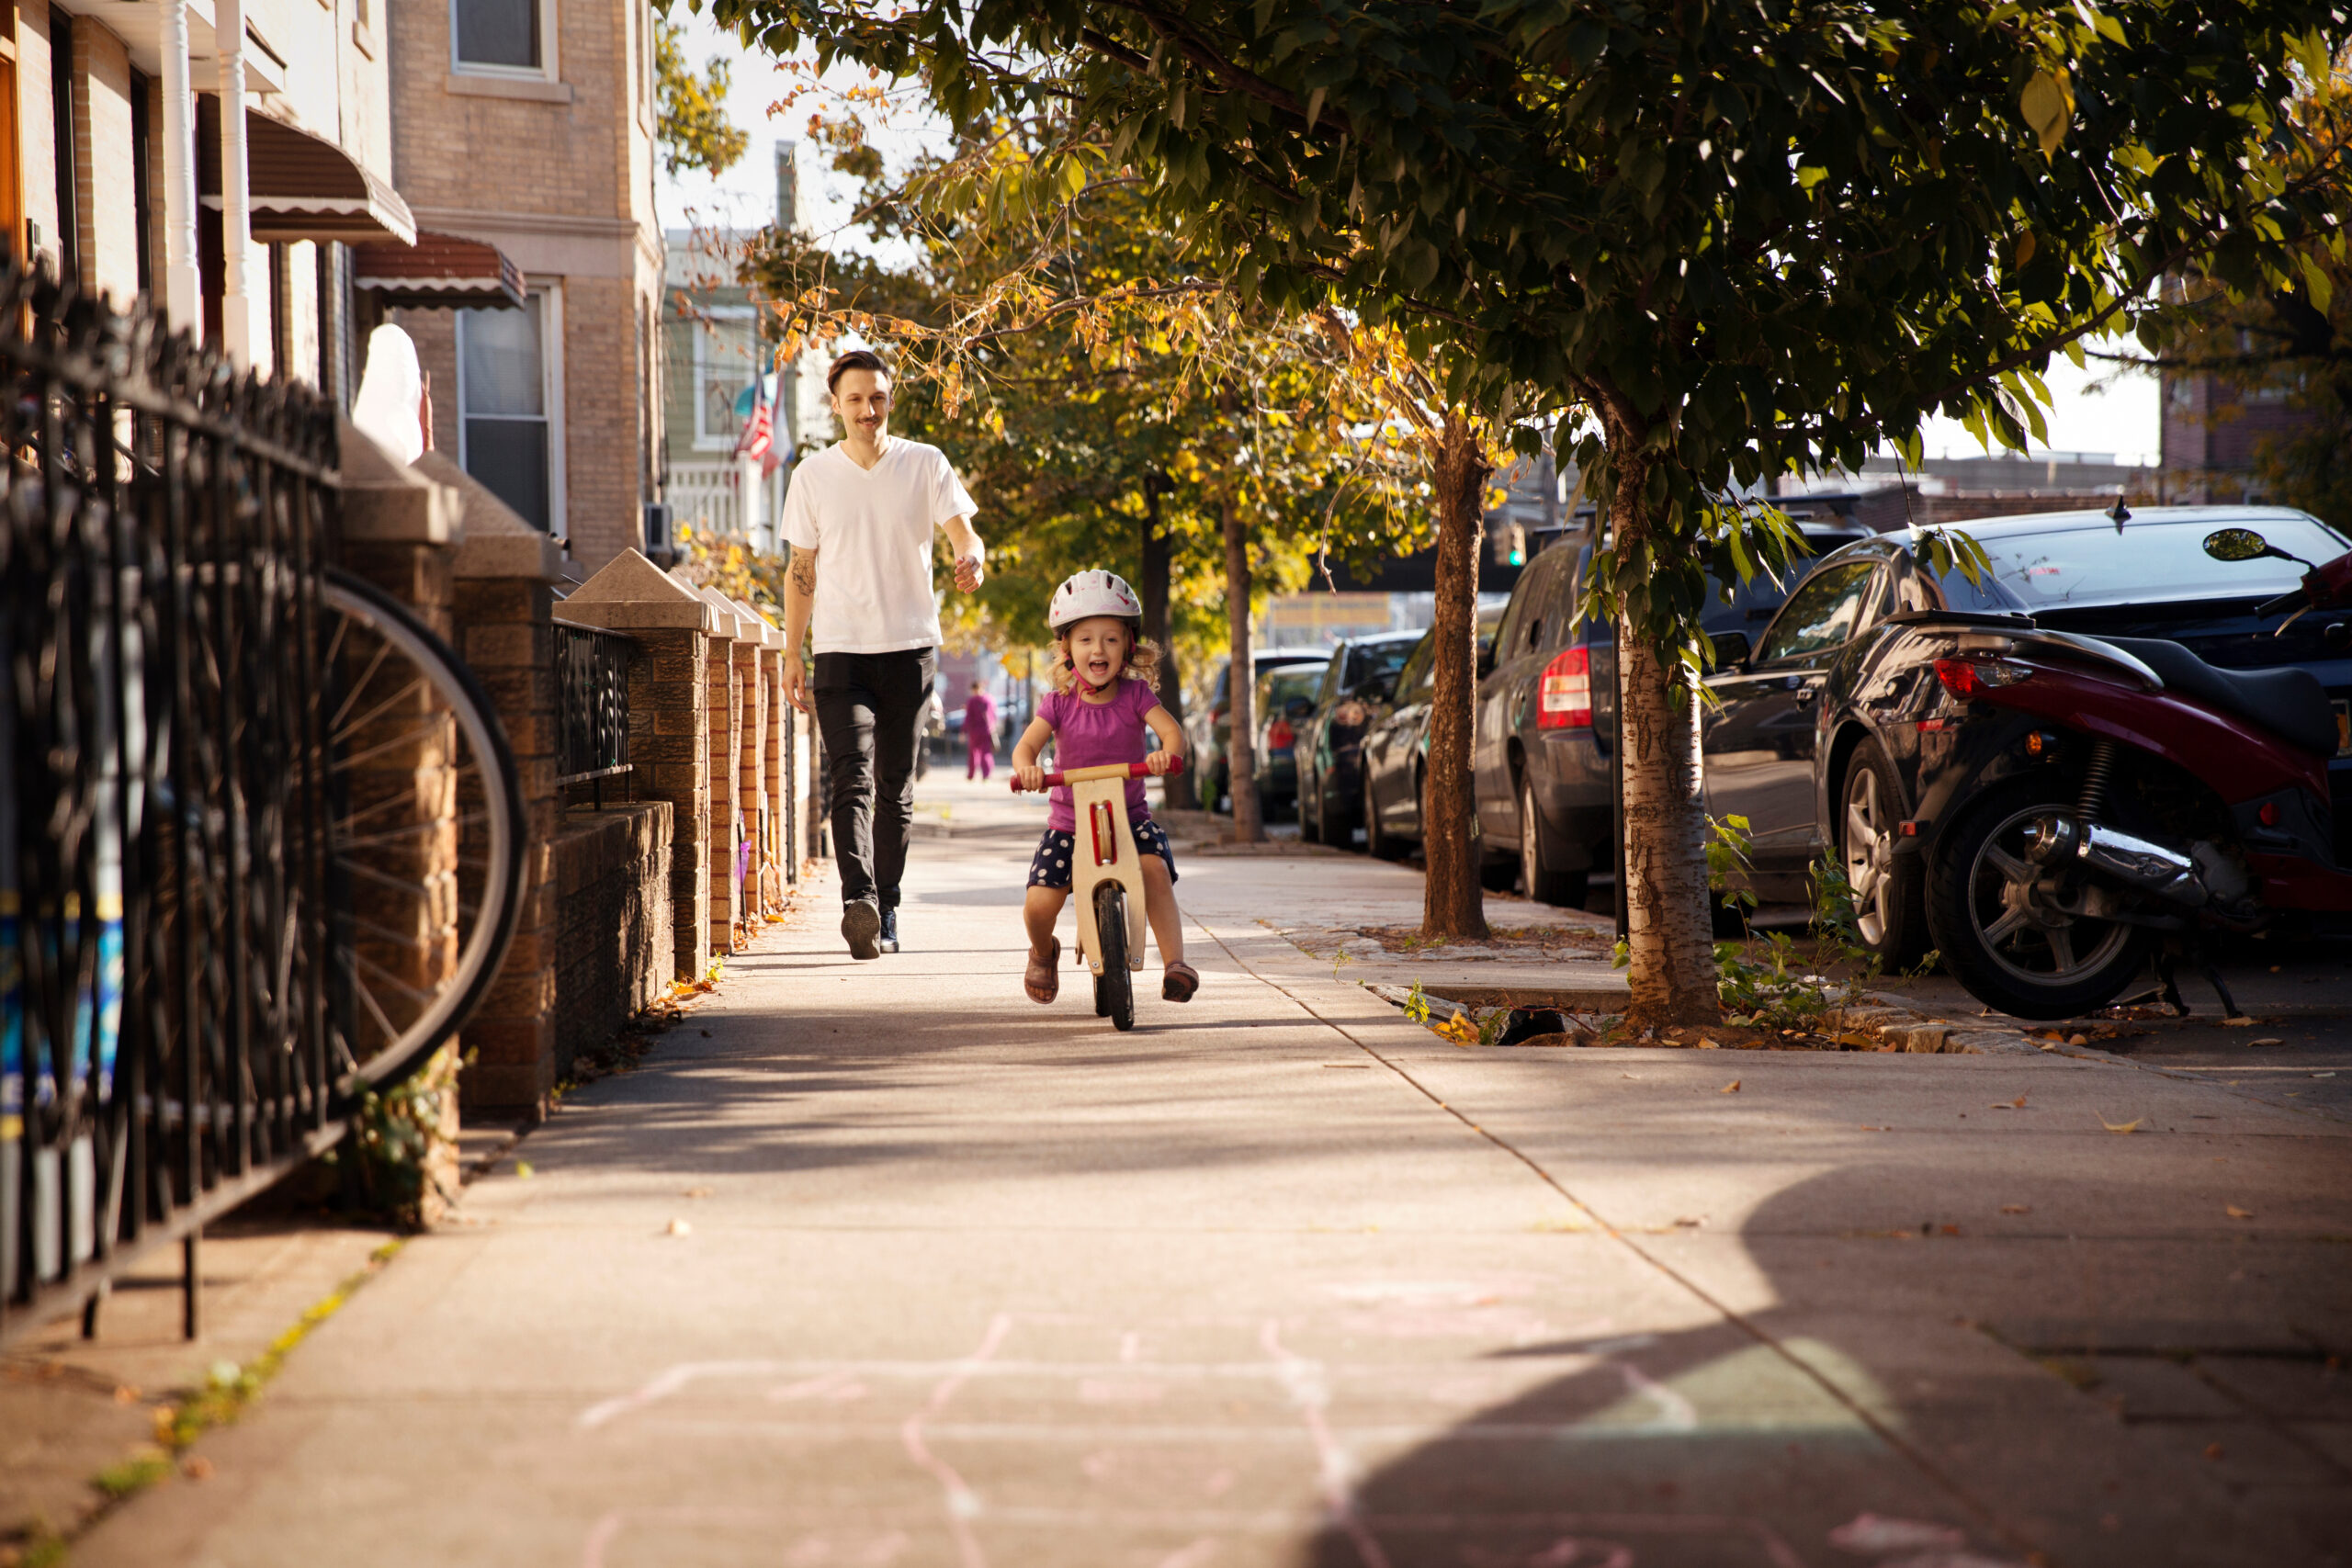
1114,992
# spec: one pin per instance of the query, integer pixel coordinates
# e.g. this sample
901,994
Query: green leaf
2048,104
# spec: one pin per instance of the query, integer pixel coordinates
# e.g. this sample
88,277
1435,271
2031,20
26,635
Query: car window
1823,613
1415,672
1524,614
1542,619
2150,561
1369,660
1279,688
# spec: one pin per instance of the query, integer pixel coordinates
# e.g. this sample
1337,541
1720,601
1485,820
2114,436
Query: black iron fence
592,706
168,1038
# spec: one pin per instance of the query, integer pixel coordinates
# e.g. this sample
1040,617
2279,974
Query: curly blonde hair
1142,661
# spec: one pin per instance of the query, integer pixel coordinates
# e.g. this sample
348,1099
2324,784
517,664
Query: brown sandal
1043,980
1179,982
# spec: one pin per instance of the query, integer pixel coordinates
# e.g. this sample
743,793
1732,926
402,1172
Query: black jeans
870,709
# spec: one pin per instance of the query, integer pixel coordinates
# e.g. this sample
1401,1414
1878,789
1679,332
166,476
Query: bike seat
2290,703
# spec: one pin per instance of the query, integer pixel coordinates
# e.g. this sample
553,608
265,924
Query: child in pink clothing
1099,707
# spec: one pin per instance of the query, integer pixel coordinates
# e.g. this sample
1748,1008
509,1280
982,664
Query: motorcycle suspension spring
2094,795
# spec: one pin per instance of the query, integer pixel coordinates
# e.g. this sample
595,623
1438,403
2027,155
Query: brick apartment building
527,127
2213,432
112,172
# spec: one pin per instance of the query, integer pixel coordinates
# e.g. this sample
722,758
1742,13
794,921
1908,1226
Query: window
726,345
500,35
510,396
1822,613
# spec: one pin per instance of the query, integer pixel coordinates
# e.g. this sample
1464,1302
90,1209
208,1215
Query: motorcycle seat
2290,704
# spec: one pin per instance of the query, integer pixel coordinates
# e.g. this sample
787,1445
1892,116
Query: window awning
439,271
301,187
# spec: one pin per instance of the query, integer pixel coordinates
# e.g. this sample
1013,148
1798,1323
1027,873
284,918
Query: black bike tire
502,906
1117,983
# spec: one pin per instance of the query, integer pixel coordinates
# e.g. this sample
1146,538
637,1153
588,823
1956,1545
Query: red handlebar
1133,770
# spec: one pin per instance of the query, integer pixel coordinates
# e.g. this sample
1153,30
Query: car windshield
1368,660
2149,562
1292,683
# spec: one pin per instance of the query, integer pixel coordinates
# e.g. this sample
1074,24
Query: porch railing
592,706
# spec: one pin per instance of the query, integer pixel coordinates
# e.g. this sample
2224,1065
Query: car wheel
1537,877
1379,845
1889,913
2002,923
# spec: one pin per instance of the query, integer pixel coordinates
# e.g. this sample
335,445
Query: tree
692,124
1748,238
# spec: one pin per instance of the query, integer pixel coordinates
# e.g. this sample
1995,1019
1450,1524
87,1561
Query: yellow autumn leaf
2131,1126
2048,103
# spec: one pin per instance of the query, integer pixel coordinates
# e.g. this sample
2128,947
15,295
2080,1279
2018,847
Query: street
878,1263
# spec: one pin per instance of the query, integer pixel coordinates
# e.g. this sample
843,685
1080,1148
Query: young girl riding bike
1101,704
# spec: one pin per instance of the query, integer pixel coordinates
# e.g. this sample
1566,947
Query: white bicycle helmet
1089,594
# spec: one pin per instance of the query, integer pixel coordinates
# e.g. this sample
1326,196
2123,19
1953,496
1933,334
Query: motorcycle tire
1890,903
1990,937
1115,991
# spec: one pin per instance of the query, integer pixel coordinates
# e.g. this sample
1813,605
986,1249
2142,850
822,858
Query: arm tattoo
804,571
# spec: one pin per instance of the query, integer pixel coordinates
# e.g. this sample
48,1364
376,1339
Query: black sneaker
861,923
889,931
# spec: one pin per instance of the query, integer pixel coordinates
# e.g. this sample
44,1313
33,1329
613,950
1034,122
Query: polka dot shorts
1051,866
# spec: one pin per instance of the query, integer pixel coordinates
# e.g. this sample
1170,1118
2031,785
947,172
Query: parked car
1211,723
1285,696
1546,718
1396,745
1363,674
1832,735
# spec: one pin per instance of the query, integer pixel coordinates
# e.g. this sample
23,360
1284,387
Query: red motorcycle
2108,799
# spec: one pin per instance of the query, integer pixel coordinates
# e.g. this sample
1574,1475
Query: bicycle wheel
426,835
1114,993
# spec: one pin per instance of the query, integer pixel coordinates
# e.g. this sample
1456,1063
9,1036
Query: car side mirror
1732,650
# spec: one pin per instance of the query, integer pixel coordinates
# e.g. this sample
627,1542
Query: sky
2119,420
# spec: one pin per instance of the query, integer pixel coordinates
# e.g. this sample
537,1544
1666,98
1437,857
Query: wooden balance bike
1106,881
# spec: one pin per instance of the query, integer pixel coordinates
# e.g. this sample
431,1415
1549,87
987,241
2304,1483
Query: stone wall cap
730,620
630,590
771,634
386,503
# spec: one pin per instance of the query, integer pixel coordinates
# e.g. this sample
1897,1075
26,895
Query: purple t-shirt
1091,735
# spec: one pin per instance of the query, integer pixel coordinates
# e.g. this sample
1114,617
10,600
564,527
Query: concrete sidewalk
891,1267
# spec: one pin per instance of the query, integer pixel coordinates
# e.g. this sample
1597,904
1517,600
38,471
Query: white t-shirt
871,529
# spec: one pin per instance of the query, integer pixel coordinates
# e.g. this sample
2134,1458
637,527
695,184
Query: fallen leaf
125,1394
2266,1040
1731,1087
698,1191
1951,1230
2017,1208
2212,1450
1707,1044
2016,1104
2131,1126
523,1169
198,1468
2239,1023
2237,1213
2078,1040
680,1227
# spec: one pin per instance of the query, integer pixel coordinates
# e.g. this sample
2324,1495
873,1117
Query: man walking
859,517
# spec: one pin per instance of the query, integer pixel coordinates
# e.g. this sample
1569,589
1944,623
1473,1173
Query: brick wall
107,223
613,936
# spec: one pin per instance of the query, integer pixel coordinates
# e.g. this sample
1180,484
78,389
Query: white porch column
183,288
236,201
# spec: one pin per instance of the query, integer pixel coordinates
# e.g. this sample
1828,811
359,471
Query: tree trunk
1241,694
1158,566
1454,902
1668,935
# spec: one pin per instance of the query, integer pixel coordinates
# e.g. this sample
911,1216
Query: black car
1823,737
1363,672
1396,746
1286,695
1546,725
1212,720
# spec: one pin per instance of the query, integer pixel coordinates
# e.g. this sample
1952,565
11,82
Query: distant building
718,332
2213,434
526,127
1887,495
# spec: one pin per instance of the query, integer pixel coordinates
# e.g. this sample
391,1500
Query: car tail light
1216,715
1564,697
1279,734
1966,677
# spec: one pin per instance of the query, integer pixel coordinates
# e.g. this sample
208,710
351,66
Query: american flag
759,430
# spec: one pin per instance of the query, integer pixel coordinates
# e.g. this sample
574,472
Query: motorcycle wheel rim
2068,953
